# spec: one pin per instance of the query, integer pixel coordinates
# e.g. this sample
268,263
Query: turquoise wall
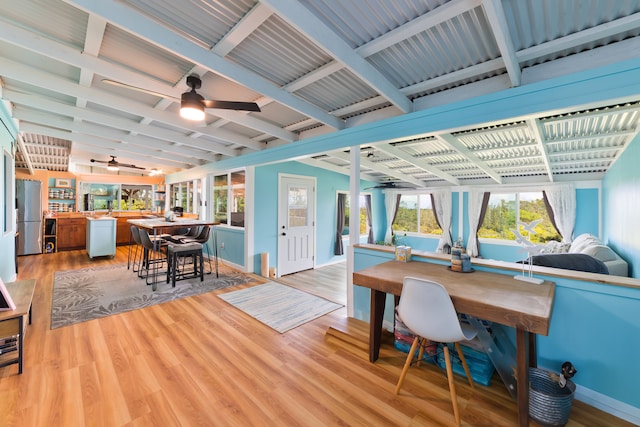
8,133
621,205
328,184
233,241
593,325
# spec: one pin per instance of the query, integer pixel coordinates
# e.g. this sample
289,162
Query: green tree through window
504,210
415,215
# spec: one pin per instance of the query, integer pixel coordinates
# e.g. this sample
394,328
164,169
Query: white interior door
296,223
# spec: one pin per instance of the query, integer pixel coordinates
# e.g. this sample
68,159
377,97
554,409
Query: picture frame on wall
63,183
6,302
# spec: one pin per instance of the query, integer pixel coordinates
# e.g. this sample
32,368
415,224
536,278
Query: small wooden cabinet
49,242
72,233
123,230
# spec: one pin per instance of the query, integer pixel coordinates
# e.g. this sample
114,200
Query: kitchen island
101,236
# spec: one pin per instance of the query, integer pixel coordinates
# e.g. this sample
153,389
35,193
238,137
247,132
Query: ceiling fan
389,185
114,165
192,104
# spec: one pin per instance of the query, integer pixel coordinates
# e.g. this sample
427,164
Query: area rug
279,306
94,292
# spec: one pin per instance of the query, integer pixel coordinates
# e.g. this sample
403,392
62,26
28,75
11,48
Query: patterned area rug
94,292
279,306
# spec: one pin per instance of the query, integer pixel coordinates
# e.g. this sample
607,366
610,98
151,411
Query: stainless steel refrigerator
29,205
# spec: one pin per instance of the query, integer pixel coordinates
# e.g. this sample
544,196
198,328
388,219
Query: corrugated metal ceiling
413,55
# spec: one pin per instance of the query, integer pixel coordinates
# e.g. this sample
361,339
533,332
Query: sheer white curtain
562,199
442,209
475,206
390,206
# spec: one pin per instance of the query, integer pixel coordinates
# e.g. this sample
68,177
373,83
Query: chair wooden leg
407,363
452,387
421,352
464,365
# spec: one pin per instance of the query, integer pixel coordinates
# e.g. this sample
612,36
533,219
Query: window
135,197
229,198
505,209
364,230
182,196
415,215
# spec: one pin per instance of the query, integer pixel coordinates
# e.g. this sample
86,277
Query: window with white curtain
506,209
415,215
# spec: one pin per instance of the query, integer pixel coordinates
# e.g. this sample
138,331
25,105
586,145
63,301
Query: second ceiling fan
114,165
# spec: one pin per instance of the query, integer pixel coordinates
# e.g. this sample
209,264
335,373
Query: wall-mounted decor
63,183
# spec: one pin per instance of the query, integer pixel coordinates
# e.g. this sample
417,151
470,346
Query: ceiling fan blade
139,89
99,161
124,165
231,105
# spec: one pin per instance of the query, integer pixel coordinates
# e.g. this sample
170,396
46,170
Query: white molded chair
426,309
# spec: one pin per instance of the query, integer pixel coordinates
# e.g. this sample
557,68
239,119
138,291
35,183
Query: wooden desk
12,321
490,296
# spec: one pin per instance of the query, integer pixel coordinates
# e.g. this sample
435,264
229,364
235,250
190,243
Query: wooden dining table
493,297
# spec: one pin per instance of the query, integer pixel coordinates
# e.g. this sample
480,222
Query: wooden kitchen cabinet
123,229
72,233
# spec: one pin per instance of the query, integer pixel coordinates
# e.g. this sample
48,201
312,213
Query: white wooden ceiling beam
456,145
420,163
186,155
165,136
247,25
25,154
89,141
26,40
422,23
318,163
125,18
299,17
498,22
379,168
57,84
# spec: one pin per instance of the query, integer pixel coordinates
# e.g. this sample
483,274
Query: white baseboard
231,264
607,404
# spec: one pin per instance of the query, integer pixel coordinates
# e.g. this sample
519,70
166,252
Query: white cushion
582,241
601,252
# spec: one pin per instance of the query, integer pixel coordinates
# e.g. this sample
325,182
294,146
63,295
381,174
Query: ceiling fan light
191,106
112,168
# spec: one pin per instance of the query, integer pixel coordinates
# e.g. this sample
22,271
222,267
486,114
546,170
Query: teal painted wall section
593,325
7,240
587,212
233,241
621,207
266,211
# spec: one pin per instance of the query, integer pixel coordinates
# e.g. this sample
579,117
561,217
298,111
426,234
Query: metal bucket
549,404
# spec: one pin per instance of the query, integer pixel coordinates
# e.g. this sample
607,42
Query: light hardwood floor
199,361
329,282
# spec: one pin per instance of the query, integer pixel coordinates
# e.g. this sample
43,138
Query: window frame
231,192
417,233
517,191
360,207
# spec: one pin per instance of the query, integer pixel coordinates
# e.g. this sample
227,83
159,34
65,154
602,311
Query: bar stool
133,251
153,257
182,251
203,238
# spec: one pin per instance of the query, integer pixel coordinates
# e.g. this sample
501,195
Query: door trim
282,176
